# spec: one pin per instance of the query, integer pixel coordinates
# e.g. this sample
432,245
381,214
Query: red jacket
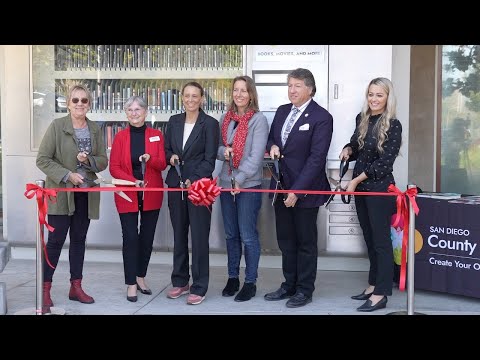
121,168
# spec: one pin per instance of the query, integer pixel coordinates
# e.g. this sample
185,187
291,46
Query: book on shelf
440,195
134,57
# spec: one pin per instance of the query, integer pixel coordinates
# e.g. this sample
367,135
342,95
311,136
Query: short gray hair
138,99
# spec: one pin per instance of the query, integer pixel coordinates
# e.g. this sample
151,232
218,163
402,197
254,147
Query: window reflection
460,119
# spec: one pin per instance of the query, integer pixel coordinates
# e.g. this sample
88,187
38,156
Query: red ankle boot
77,294
47,300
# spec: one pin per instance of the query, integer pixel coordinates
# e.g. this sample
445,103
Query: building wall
401,82
17,115
423,87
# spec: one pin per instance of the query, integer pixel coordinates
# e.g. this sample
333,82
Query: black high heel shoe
362,296
144,291
367,306
132,298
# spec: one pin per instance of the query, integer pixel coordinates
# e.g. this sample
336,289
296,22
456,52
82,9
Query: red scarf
240,136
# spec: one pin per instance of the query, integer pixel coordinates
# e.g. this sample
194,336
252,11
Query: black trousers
183,215
137,245
297,237
78,224
375,215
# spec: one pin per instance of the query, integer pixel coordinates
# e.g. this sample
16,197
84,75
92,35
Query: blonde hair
383,123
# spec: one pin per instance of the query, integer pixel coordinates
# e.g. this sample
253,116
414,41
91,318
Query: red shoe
47,300
193,299
176,292
77,294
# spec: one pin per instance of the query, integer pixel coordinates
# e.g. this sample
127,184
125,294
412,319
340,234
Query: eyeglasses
83,100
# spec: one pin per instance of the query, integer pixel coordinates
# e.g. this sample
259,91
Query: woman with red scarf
244,133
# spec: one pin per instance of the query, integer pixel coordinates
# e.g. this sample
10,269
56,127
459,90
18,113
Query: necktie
289,126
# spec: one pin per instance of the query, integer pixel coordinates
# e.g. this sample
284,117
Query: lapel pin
306,115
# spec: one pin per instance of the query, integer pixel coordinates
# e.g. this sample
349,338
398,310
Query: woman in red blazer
129,147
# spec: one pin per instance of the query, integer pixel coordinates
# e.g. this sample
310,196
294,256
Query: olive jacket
57,155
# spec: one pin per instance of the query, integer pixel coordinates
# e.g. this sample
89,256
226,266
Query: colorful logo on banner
396,234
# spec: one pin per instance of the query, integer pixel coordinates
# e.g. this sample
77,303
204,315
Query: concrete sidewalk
337,279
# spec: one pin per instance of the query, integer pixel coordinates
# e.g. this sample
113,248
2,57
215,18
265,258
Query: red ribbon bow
42,204
204,192
403,212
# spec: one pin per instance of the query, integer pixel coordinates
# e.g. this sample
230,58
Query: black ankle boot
233,284
248,291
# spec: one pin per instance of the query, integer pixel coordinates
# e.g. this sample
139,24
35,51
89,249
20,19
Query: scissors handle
179,173
277,168
343,168
346,198
177,168
144,165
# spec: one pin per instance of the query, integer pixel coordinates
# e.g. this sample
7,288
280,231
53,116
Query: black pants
297,237
183,215
78,224
137,245
375,214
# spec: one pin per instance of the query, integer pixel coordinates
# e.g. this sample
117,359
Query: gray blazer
250,170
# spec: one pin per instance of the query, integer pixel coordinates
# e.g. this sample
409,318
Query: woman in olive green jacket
71,152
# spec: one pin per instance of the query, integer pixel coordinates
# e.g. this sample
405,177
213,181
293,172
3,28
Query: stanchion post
411,257
39,258
38,310
410,261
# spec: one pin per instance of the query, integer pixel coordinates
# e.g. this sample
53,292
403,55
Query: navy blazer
304,156
197,159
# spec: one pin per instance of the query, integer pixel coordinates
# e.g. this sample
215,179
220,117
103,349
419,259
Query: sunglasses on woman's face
83,100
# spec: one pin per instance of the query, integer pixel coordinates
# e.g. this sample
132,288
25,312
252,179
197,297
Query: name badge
154,138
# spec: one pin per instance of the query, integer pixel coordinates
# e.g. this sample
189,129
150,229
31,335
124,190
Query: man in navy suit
300,136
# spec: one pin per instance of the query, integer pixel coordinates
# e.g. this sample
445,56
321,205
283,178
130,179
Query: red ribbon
204,192
42,203
404,212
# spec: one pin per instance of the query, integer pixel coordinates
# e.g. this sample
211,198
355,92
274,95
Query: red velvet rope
42,203
403,211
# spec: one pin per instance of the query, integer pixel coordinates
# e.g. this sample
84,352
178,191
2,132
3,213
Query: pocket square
304,127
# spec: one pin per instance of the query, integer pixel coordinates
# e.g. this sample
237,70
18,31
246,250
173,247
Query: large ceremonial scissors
338,184
276,177
179,173
112,183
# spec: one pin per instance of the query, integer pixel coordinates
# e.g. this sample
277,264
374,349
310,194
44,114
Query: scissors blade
123,195
144,165
333,181
329,200
275,194
182,185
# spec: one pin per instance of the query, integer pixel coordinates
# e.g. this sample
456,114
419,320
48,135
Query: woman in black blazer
192,139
